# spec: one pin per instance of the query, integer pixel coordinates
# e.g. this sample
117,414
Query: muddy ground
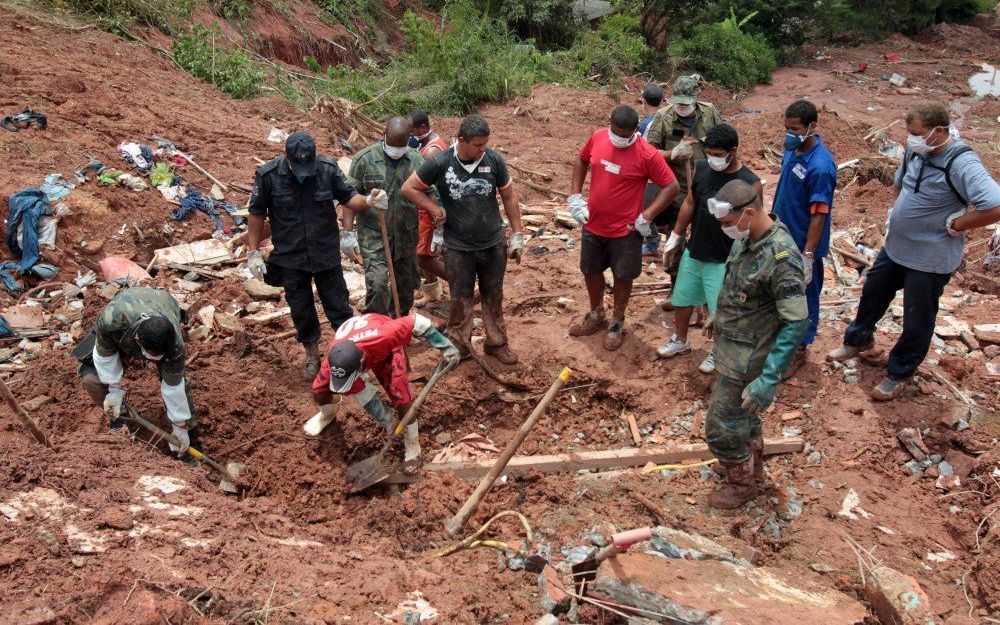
103,528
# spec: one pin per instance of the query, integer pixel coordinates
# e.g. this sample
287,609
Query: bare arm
348,219
255,231
684,216
663,199
816,223
511,207
580,168
416,191
977,219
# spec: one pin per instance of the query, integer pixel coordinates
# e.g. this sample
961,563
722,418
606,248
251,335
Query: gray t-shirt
917,237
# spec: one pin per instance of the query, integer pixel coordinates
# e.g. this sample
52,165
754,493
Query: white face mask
718,163
734,232
684,110
621,142
423,136
918,143
149,356
393,152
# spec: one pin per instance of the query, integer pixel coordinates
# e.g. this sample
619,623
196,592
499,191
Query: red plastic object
861,68
624,540
115,267
892,57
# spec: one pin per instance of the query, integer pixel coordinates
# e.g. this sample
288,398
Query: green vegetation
724,53
199,51
117,16
237,10
614,50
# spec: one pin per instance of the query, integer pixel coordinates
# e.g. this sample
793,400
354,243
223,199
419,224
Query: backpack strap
946,169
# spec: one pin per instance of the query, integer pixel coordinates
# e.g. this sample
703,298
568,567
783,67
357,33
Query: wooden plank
633,427
206,252
208,273
590,460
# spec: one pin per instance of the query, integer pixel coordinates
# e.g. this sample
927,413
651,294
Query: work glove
672,249
759,394
256,265
807,266
681,151
183,437
377,409
378,199
437,240
517,246
948,223
578,208
113,403
643,227
441,342
349,245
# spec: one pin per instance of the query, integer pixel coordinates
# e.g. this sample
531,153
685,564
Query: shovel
230,474
373,470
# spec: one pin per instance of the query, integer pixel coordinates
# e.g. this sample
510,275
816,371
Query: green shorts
698,283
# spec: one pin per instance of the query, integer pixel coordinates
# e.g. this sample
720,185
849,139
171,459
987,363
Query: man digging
375,343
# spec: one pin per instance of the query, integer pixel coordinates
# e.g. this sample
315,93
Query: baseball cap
300,151
345,365
685,90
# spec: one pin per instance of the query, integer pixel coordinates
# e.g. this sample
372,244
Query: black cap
345,365
156,334
652,94
300,150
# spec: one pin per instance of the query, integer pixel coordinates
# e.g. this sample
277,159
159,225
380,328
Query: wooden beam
208,273
590,460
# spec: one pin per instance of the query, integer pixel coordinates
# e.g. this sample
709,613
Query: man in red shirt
429,260
613,220
375,343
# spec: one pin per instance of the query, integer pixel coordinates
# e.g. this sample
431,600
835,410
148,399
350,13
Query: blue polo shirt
806,178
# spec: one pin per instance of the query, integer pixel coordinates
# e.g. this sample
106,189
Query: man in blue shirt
938,179
652,101
803,202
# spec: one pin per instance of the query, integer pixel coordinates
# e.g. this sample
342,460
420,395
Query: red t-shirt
618,180
377,336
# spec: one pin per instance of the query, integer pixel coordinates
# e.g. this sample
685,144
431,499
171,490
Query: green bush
117,16
725,54
198,51
614,50
233,9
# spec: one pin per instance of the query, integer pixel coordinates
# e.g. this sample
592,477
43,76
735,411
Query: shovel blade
229,485
367,473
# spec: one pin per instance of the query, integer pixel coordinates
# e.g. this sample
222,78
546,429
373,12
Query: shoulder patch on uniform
791,288
269,166
781,254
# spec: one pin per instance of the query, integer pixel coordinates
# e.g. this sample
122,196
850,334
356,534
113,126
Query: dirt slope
104,529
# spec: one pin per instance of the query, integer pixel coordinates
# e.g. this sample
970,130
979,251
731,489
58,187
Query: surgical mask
622,142
794,141
734,232
393,152
718,163
423,136
684,110
918,143
149,356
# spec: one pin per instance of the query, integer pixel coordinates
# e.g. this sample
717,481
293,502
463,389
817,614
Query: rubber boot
739,488
756,446
313,359
430,292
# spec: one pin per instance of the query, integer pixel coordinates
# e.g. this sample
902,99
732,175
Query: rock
564,302
910,438
987,332
548,619
201,332
794,414
961,464
108,291
30,612
991,351
91,246
684,546
186,286
751,555
116,518
228,324
898,599
969,339
948,482
25,317
554,598
949,327
258,289
207,315
33,404
715,591
443,438
819,567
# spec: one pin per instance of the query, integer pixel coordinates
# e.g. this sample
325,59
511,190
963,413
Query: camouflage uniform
764,289
372,169
115,332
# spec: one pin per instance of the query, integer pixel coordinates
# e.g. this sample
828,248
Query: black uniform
306,239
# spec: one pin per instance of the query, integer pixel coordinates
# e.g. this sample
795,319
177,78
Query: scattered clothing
137,155
56,187
195,201
24,214
15,123
162,175
5,328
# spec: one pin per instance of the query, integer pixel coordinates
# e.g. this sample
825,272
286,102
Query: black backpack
909,156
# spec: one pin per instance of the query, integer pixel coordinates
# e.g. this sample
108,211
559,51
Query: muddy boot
501,353
756,446
591,323
888,389
846,352
615,336
740,486
313,359
430,292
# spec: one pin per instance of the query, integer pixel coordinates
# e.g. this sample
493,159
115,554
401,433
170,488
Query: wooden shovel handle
23,416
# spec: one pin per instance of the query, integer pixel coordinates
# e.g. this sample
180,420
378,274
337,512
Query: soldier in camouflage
678,131
385,165
759,321
139,325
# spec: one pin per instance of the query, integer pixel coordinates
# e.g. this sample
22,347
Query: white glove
516,246
349,244
183,437
643,227
255,263
378,199
681,151
437,239
807,265
578,208
672,242
951,220
113,403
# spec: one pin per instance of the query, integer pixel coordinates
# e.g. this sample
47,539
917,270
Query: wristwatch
809,254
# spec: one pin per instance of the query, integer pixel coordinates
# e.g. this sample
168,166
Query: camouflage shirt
117,324
666,131
372,169
763,289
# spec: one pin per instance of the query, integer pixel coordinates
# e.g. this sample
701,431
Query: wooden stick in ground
455,523
23,416
388,260
542,188
852,255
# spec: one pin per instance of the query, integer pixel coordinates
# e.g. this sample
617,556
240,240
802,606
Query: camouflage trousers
727,426
378,294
